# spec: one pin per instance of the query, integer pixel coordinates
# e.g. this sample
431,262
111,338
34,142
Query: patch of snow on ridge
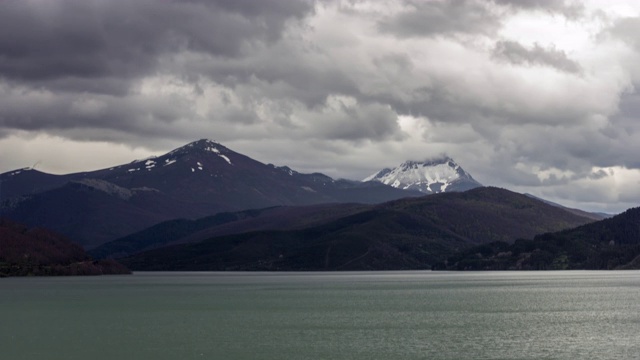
107,187
226,159
444,187
169,162
152,157
144,188
18,171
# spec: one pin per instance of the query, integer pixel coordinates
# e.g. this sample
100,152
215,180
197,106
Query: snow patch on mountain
18,171
205,145
226,159
202,144
107,187
432,176
149,164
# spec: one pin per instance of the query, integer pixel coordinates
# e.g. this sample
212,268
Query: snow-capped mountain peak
200,145
432,176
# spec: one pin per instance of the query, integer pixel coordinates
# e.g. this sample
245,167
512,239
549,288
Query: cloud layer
536,96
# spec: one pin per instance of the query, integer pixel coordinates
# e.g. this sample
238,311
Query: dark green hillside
178,231
372,240
40,252
612,243
487,214
411,233
162,234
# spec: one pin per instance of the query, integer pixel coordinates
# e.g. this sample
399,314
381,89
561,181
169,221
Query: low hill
612,243
412,233
179,231
41,252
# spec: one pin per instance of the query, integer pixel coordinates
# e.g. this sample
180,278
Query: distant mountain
591,215
41,252
412,233
613,243
432,176
199,179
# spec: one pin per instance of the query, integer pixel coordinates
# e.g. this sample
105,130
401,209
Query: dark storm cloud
623,132
431,18
517,54
105,115
625,124
444,103
71,67
43,41
342,82
568,8
627,29
600,174
438,103
350,122
626,119
300,75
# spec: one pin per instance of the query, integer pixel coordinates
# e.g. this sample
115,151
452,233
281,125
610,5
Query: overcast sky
536,96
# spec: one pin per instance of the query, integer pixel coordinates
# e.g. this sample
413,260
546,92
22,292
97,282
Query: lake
347,315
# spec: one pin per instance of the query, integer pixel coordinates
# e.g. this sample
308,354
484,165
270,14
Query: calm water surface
380,315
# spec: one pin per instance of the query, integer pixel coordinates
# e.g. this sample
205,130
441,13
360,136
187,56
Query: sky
536,96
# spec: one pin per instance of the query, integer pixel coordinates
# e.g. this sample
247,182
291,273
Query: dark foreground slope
413,233
41,252
612,243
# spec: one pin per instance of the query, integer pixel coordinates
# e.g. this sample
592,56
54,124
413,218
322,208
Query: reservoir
337,315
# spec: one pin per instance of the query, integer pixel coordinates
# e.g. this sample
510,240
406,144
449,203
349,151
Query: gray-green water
382,315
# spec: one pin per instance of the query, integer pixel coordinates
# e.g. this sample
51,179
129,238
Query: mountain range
199,179
205,207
